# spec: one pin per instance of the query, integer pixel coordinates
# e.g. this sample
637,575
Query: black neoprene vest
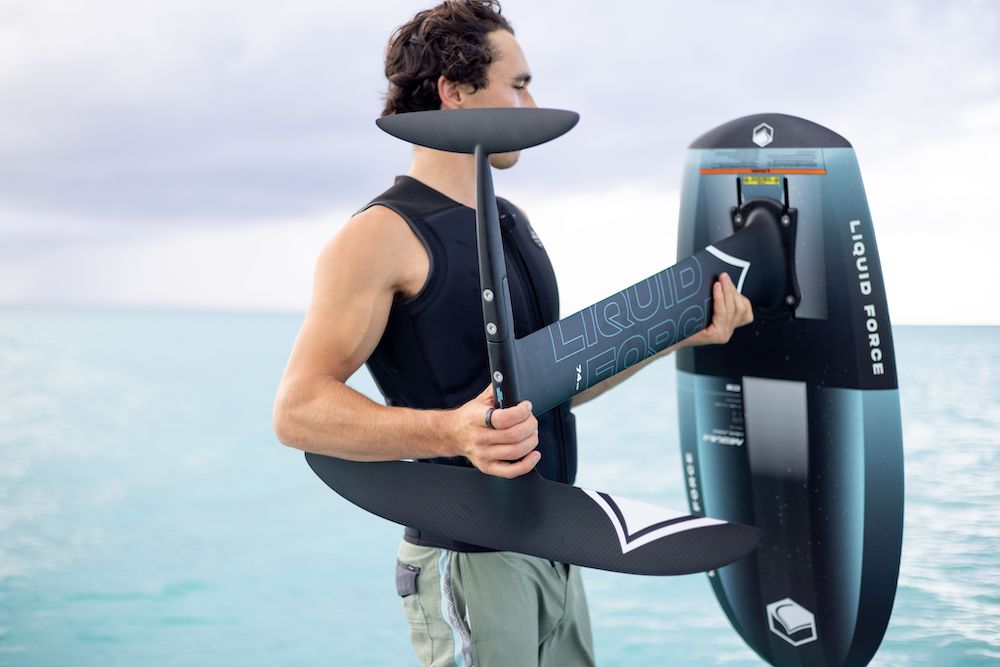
433,351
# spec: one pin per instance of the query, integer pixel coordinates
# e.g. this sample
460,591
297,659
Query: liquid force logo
791,621
763,134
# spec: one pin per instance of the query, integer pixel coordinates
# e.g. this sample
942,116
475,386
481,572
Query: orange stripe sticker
818,172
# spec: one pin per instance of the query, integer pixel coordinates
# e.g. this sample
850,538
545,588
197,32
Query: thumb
486,396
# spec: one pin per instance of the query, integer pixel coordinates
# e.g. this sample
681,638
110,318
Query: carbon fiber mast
602,340
497,317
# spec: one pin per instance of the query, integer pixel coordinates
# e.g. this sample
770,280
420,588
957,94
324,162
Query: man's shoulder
377,223
373,247
382,213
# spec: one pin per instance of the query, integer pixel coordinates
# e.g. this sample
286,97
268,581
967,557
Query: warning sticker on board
762,180
764,161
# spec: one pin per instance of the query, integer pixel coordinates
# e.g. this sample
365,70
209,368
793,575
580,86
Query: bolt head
790,299
497,376
785,220
491,328
487,295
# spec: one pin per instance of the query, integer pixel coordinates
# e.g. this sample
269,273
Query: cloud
263,265
167,110
128,127
232,110
602,241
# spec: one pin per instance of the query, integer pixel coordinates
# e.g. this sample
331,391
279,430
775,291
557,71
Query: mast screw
785,220
790,299
497,376
491,328
487,295
738,219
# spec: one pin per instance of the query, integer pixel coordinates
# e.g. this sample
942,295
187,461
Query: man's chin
504,160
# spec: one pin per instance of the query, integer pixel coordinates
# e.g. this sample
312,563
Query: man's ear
452,94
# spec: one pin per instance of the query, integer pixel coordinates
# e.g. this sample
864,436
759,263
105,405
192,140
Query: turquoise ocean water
149,517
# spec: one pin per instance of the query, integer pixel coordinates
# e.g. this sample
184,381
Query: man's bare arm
358,274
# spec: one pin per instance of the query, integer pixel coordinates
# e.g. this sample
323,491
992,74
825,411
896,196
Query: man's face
507,79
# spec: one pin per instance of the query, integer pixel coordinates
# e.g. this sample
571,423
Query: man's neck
451,174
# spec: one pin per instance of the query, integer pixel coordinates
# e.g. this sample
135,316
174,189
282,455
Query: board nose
495,130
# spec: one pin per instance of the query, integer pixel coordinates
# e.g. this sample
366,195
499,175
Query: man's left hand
730,309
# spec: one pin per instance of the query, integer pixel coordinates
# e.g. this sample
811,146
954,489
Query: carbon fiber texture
529,515
495,130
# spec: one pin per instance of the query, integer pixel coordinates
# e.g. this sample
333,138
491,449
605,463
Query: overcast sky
186,154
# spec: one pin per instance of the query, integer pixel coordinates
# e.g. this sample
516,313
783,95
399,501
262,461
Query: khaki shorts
498,609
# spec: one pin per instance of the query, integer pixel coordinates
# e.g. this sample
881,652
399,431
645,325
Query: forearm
327,417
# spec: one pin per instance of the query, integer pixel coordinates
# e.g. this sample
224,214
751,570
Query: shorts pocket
406,578
408,586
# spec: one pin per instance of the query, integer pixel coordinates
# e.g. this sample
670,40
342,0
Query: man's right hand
506,450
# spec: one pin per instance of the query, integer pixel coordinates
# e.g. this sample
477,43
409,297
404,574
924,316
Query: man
397,288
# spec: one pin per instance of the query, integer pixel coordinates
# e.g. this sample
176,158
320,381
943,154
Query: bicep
353,291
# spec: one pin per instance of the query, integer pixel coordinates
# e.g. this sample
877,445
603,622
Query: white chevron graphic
741,264
638,516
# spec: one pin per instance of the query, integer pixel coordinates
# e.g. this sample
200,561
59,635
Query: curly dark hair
450,39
